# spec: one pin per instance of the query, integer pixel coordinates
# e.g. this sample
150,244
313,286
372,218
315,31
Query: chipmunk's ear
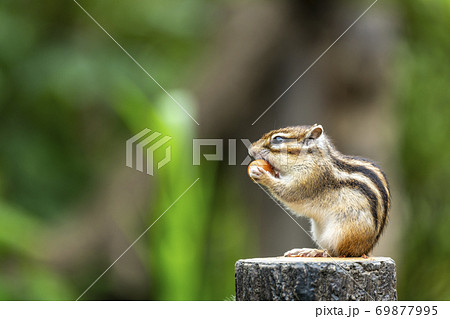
314,132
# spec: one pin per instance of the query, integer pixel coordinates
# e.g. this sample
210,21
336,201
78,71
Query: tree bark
298,278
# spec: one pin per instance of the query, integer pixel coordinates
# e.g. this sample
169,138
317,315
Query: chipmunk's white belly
325,230
327,236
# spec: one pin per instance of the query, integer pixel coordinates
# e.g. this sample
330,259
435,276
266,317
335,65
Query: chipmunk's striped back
373,185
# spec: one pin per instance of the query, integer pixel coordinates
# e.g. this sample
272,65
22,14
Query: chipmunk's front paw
259,175
306,252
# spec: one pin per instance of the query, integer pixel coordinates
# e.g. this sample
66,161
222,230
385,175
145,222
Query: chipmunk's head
290,150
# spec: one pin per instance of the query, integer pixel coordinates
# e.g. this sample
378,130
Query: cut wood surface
300,278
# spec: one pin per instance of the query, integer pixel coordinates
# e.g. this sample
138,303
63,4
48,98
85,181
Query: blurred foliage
424,113
68,95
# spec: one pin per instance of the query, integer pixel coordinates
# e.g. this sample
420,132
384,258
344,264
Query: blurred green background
70,98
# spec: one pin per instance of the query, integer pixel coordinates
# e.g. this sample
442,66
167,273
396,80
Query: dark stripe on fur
385,215
352,168
372,198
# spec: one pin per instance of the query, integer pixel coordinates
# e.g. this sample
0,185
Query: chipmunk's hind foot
306,252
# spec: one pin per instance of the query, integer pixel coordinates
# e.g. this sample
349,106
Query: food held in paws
260,163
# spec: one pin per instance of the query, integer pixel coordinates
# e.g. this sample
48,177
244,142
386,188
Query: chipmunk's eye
278,140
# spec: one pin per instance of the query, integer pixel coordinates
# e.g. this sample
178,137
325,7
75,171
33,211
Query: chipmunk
347,198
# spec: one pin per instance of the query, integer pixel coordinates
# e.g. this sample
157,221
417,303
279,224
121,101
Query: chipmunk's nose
251,151
254,152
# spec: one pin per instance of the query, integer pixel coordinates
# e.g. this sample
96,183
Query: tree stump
300,278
